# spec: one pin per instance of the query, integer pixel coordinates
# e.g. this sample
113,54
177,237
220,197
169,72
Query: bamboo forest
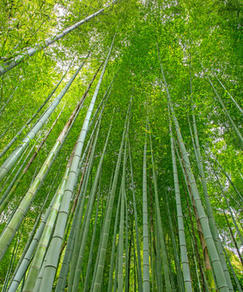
121,139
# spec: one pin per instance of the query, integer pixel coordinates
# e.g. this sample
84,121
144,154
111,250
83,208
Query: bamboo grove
121,146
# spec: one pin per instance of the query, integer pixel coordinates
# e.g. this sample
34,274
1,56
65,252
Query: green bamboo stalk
113,249
78,222
5,197
180,281
236,104
27,255
121,227
233,272
77,228
102,225
97,278
216,263
45,238
14,156
146,280
128,250
208,266
56,243
89,211
87,277
159,225
182,237
25,204
140,287
226,112
12,187
13,256
70,242
212,223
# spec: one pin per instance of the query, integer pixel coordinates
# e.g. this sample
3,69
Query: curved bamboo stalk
140,287
146,280
89,211
86,282
45,237
212,223
121,227
182,237
160,235
27,254
113,250
4,199
98,275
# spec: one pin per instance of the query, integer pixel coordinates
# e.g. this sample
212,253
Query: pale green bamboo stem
98,276
182,237
140,287
113,250
212,223
233,272
89,210
121,227
45,237
146,280
159,225
7,194
20,271
87,277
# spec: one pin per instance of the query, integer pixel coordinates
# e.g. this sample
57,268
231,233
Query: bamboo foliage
146,280
97,279
182,238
